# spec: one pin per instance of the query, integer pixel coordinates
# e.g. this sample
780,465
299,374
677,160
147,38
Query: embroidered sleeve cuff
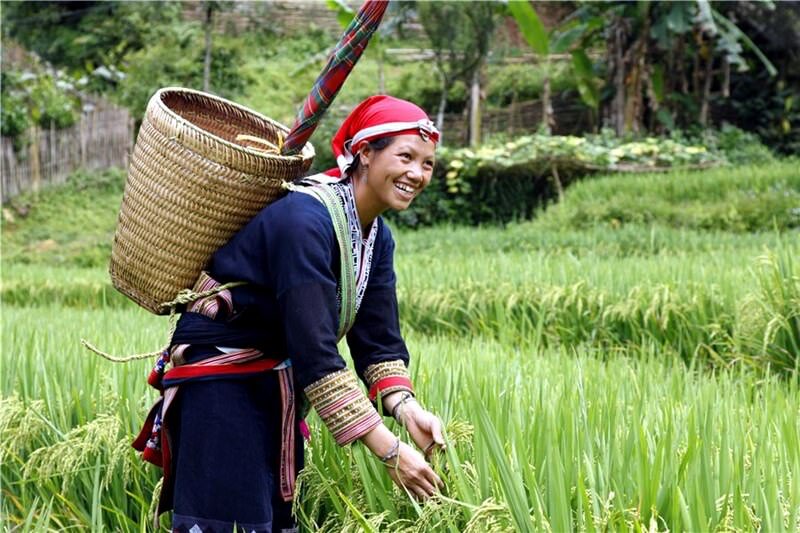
341,404
388,376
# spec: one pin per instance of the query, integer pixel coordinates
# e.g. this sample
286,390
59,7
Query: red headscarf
376,117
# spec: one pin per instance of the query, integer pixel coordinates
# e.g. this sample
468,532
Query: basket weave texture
191,185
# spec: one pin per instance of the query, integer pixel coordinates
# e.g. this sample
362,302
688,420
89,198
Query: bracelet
393,453
396,410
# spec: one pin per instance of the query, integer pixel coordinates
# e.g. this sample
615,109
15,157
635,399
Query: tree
85,36
536,36
662,59
210,7
460,34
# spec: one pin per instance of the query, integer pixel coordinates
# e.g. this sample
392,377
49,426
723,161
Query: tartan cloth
341,61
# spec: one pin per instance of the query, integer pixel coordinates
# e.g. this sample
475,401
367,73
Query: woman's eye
405,156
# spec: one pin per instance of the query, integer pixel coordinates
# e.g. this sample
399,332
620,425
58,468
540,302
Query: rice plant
552,438
618,378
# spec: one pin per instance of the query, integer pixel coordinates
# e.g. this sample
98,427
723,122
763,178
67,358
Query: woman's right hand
409,470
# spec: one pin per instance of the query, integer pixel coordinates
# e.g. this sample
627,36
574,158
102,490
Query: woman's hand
423,426
409,470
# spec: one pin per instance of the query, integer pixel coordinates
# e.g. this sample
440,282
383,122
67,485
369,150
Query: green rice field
634,376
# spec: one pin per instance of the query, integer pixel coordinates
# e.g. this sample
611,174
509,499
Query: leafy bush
505,180
36,97
426,91
520,82
15,117
85,36
176,59
739,146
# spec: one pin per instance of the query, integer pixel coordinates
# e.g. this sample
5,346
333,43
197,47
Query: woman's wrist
380,440
390,400
406,401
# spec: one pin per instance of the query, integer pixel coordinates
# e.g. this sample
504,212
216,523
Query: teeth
404,188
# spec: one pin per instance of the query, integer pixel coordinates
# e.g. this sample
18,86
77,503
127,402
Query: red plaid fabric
340,63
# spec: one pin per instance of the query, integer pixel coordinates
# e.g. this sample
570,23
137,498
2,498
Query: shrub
739,146
524,82
507,180
36,97
176,59
425,91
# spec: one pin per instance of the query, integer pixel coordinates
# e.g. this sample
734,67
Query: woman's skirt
226,443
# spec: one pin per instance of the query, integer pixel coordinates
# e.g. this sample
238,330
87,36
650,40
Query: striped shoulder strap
347,283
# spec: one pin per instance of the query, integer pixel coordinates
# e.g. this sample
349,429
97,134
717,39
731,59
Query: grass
550,438
741,199
601,379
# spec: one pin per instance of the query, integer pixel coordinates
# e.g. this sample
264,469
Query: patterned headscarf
376,117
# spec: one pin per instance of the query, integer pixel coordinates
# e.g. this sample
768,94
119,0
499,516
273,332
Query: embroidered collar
362,248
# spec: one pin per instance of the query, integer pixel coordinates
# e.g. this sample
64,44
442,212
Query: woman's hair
377,145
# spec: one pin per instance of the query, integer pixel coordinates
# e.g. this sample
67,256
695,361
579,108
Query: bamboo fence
102,138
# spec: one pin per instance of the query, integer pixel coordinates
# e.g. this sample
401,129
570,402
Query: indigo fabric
226,440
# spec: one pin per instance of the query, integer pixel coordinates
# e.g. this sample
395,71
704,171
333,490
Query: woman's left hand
423,426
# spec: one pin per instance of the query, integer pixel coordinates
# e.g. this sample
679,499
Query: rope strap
184,297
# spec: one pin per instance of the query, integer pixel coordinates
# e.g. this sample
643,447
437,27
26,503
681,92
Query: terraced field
628,375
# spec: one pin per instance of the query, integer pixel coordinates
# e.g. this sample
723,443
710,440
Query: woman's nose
415,172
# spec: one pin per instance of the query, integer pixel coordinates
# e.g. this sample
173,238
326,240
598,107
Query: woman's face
395,175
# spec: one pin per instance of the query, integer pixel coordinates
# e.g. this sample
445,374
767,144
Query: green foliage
743,198
71,224
425,91
524,82
176,59
15,116
740,147
87,35
769,107
36,97
507,180
659,62
537,346
585,345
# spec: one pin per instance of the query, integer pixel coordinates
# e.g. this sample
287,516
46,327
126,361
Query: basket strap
341,61
347,283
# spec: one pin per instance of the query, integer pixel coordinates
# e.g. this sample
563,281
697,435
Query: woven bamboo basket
199,171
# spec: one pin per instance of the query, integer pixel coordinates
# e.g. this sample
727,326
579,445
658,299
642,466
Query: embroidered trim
210,306
391,384
339,200
342,406
361,249
386,377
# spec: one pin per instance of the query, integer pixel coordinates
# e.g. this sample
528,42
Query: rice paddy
633,378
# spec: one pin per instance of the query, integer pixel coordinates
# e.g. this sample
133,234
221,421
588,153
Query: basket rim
306,153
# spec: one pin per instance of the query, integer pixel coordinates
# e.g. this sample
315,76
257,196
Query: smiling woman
311,268
392,175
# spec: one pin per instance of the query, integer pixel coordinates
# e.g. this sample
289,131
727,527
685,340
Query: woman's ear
365,154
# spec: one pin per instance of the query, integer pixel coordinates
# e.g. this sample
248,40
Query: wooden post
54,167
36,172
475,110
82,139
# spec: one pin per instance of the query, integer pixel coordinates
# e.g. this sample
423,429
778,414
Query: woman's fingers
414,473
438,436
425,428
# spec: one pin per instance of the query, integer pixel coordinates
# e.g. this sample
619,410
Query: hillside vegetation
625,361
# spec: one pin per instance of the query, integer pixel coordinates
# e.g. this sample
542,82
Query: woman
316,265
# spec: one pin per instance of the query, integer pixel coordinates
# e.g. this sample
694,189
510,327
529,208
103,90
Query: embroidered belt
151,441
